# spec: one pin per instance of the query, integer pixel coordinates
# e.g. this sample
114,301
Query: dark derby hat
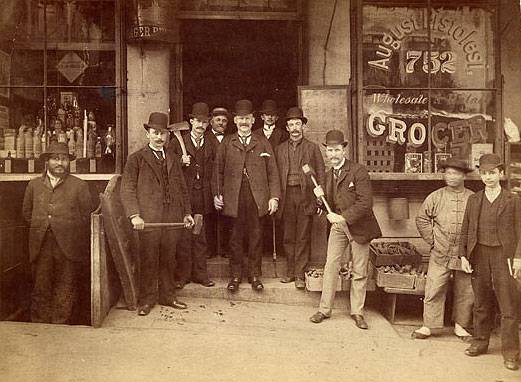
220,111
243,107
269,106
489,162
56,148
294,113
201,111
458,164
157,120
335,137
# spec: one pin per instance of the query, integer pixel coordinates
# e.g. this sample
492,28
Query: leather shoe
174,303
359,321
287,280
511,364
418,336
206,283
474,350
180,284
300,284
144,310
233,285
318,317
256,284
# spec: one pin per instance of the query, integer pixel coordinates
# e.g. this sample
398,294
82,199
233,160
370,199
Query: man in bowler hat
57,205
298,204
153,190
491,250
246,188
197,169
439,222
349,191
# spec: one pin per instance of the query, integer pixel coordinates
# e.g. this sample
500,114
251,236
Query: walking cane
274,257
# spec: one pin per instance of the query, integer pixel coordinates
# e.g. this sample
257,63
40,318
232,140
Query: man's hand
218,202
189,221
137,222
185,160
273,205
318,191
335,218
465,265
516,269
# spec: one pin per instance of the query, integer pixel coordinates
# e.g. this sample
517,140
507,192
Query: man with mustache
298,203
57,205
218,226
153,190
246,187
197,169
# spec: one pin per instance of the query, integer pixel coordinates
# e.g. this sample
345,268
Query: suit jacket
65,210
210,137
309,154
508,224
354,200
141,191
232,157
276,138
205,170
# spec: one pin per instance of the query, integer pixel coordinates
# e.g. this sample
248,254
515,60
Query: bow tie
219,134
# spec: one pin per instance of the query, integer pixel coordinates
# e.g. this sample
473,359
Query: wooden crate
314,284
381,253
395,280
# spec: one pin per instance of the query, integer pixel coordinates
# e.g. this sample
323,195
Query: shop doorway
226,60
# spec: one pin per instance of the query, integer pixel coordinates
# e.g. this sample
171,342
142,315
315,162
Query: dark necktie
159,154
336,173
219,134
198,142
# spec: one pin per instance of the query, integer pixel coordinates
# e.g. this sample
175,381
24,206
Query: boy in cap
197,169
439,223
57,205
491,251
349,191
246,188
298,203
153,190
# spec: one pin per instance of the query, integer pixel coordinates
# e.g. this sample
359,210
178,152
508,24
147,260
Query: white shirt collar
340,165
194,139
53,179
269,128
154,151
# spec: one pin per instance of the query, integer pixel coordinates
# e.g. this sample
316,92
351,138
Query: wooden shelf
27,177
92,46
401,176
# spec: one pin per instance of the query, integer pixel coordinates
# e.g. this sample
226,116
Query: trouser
438,277
491,276
218,232
246,225
191,256
336,246
297,232
157,262
54,291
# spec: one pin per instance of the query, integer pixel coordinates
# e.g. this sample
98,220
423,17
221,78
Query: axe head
179,126
196,229
308,170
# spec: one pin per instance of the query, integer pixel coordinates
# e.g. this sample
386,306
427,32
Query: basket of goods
396,276
315,278
392,253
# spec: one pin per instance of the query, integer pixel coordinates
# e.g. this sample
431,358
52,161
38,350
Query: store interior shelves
92,46
413,177
514,166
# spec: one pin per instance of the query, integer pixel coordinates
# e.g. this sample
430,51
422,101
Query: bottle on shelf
79,143
98,149
20,142
37,139
110,141
71,142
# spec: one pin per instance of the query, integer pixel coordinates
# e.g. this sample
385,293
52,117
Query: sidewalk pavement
220,340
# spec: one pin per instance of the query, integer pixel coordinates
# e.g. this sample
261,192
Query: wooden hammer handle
160,225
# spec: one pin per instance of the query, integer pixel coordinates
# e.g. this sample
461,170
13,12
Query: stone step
274,292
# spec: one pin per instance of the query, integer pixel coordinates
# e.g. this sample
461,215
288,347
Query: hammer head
308,170
179,126
196,229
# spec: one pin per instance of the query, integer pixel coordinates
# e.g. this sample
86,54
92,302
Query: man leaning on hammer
348,189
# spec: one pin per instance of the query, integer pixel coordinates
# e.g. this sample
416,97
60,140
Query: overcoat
278,136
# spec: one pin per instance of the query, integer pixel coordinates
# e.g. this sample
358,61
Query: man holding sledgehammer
153,189
348,190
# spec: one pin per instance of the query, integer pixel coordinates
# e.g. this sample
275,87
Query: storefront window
58,81
429,85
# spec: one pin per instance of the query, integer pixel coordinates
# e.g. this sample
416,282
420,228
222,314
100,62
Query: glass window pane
463,47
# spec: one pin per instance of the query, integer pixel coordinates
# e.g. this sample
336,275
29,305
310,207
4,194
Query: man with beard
197,169
153,190
491,251
349,191
246,188
218,226
439,223
298,203
57,205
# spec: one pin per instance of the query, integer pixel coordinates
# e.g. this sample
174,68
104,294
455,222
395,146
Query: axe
196,229
176,128
308,170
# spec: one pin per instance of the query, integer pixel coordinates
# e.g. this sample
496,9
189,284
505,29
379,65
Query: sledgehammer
196,229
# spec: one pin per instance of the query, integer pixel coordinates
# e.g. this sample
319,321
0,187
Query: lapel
284,150
253,142
343,174
46,182
275,136
190,148
235,141
150,158
504,199
329,183
474,218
